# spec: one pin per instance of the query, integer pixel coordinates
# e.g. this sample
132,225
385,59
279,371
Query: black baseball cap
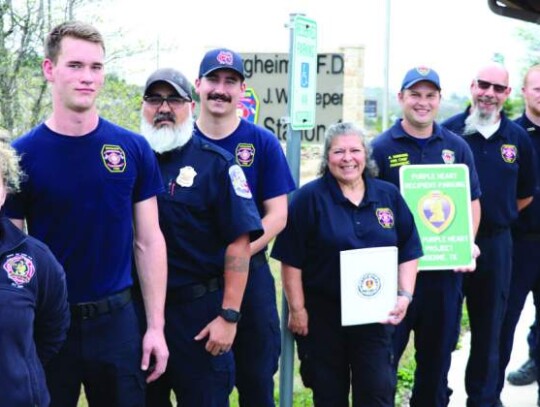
174,78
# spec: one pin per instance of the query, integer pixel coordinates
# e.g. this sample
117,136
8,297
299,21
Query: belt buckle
198,291
88,310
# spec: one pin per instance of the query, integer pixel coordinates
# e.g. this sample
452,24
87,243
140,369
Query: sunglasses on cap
485,85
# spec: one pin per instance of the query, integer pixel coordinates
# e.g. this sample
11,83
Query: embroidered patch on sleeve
239,182
19,268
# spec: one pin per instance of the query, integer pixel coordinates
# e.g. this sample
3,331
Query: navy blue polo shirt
395,148
529,218
506,166
322,222
206,205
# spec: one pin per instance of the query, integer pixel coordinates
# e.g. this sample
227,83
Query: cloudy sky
454,37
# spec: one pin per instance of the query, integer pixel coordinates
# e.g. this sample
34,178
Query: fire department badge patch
19,268
114,158
448,156
385,216
245,154
509,153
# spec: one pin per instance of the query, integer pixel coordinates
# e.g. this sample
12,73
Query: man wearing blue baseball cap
220,86
434,314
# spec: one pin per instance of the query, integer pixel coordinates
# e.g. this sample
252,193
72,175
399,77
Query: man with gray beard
505,163
208,218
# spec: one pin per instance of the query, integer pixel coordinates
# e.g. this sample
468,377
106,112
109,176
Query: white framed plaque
369,284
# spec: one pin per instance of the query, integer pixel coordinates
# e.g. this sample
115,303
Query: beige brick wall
353,87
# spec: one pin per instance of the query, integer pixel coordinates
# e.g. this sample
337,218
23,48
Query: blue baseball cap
419,74
221,58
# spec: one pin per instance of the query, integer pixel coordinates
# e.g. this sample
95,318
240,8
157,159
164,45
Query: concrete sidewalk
512,396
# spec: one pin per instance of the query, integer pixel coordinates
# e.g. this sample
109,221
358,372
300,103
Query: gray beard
476,118
167,138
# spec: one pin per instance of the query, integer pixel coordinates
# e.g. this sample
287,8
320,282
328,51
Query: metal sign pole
286,369
301,116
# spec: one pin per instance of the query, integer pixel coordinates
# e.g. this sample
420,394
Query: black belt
534,237
491,231
86,310
258,260
192,292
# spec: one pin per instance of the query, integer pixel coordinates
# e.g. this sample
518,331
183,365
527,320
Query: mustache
164,116
219,96
487,99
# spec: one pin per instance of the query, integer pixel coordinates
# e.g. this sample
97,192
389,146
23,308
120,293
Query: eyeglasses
157,100
485,85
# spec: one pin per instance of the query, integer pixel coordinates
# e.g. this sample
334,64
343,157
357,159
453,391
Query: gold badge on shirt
186,176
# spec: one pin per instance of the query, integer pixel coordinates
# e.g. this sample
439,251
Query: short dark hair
74,29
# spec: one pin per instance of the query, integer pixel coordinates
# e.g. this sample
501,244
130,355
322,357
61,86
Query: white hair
167,138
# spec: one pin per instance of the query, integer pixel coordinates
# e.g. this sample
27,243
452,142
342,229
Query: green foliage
513,107
530,36
405,376
120,102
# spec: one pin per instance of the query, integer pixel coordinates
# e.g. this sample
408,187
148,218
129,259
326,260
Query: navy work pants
334,358
104,354
197,378
525,278
434,316
258,343
486,292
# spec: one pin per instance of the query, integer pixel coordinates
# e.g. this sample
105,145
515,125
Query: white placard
369,281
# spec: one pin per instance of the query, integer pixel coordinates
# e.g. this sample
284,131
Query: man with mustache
220,86
505,163
208,219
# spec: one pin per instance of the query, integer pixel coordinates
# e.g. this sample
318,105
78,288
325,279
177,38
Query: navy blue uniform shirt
322,222
207,204
528,221
506,166
395,148
34,316
260,155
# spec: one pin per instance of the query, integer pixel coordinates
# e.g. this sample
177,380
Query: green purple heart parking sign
439,197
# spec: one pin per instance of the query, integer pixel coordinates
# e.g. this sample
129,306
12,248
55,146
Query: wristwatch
406,294
230,315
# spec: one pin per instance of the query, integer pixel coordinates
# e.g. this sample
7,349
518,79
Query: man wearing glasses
505,163
208,219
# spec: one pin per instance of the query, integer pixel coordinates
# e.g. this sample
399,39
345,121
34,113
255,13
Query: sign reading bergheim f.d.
439,198
304,74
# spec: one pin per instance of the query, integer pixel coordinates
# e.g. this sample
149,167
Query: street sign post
304,73
302,88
